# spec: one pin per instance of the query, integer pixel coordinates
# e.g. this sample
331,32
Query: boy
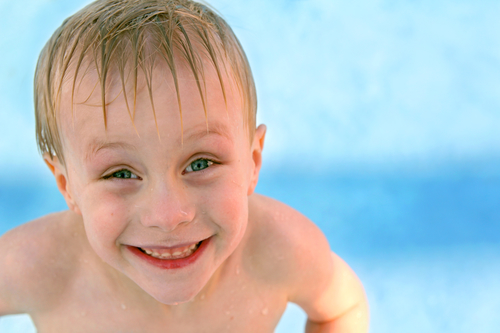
146,117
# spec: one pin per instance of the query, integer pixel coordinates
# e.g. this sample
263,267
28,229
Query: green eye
199,165
122,174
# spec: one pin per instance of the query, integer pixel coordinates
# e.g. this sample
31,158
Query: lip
171,263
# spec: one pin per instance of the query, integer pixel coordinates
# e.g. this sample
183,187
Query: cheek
228,206
105,218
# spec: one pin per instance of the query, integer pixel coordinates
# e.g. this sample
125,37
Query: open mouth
171,258
171,254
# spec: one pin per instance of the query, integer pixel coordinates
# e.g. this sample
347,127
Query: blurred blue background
383,128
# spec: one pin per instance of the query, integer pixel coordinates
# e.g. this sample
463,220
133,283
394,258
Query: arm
28,269
9,271
325,287
346,301
299,256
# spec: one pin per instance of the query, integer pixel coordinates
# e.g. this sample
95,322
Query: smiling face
156,188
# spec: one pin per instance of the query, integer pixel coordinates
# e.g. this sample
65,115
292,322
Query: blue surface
427,250
359,214
431,290
383,121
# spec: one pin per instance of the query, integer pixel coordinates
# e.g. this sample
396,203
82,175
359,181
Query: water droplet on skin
265,311
123,306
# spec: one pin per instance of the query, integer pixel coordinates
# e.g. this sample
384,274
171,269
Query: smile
176,253
171,258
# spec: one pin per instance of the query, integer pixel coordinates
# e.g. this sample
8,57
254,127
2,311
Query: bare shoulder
289,224
293,251
288,243
36,259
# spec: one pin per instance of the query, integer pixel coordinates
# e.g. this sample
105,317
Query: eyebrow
95,146
199,133
193,135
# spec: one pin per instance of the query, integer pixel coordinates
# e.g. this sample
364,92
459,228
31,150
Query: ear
256,151
60,175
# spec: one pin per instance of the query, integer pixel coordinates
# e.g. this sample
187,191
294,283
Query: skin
66,268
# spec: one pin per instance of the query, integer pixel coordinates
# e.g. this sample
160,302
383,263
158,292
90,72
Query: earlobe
257,147
59,172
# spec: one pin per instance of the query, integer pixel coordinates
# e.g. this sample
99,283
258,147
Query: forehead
132,108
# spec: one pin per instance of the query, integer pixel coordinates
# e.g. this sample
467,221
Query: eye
122,174
199,164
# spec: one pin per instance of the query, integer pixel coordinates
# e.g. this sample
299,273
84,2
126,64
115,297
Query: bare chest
241,305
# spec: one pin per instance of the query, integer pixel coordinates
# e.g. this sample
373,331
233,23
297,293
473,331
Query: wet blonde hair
115,35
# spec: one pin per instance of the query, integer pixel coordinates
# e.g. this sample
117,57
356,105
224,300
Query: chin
172,300
174,295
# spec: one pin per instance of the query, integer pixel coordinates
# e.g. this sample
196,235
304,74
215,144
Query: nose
166,206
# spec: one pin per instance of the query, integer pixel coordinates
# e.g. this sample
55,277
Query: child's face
135,190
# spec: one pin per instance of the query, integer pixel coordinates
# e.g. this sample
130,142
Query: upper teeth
186,251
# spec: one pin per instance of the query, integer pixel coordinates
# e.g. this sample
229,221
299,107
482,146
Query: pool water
426,249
